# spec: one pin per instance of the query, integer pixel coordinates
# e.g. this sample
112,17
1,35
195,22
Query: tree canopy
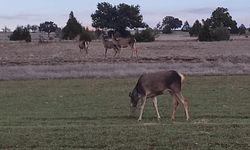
169,23
48,27
172,22
221,17
118,18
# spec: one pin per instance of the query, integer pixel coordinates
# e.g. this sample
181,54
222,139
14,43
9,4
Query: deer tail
182,77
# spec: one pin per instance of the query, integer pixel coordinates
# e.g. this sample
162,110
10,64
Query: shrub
217,34
204,34
220,34
85,36
146,35
167,30
21,33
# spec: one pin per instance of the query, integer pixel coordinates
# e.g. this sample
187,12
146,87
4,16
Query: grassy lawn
94,114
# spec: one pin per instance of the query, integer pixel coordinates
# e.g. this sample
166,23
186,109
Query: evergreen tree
195,29
72,28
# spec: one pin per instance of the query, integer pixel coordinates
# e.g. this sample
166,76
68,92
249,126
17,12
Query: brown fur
84,45
124,43
109,45
153,84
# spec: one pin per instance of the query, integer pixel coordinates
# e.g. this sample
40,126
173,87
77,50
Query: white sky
23,12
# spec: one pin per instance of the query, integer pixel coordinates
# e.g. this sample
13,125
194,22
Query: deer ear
130,94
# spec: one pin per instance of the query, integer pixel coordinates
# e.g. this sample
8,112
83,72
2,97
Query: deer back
124,42
153,84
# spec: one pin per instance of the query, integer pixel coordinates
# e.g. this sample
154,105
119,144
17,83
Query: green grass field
94,114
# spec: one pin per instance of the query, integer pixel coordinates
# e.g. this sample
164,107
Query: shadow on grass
221,117
84,118
130,118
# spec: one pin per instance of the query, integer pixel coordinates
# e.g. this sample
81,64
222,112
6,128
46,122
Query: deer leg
156,108
175,105
132,55
86,50
106,52
142,107
119,51
184,103
136,52
115,52
87,47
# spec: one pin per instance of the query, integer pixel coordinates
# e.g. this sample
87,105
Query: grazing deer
84,45
153,84
124,43
109,45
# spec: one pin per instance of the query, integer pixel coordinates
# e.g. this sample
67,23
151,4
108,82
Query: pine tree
72,29
195,29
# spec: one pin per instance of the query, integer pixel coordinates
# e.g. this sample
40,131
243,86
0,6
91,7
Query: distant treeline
123,18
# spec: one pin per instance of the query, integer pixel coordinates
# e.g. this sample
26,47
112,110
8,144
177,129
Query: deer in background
126,42
153,84
84,45
109,45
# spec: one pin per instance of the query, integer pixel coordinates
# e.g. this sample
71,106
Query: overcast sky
23,12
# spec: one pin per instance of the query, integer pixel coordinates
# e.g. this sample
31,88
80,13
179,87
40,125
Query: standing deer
124,43
109,45
84,45
153,84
